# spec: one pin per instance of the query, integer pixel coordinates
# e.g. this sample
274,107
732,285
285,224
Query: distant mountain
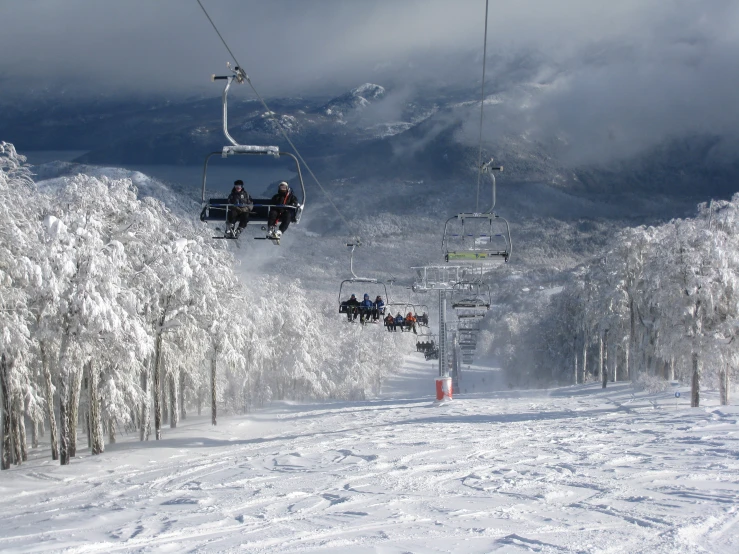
380,133
357,98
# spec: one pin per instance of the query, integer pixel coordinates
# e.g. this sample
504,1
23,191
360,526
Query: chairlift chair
478,238
423,309
343,309
215,209
471,295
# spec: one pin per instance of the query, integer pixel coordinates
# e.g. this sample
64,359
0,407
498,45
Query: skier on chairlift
390,322
379,308
410,322
239,209
284,197
352,305
366,306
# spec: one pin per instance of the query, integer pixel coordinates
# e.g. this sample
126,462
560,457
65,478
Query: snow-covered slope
576,469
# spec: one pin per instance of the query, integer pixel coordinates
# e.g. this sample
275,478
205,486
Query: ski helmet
282,187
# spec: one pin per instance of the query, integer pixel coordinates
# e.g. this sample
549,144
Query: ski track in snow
575,469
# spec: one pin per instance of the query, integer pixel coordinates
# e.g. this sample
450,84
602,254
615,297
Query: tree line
659,303
116,314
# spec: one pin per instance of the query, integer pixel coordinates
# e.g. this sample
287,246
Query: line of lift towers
474,245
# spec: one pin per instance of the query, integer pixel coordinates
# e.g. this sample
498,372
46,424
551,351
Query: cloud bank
603,78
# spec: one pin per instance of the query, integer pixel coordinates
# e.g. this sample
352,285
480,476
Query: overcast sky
635,69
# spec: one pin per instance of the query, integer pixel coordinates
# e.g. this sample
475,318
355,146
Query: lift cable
482,105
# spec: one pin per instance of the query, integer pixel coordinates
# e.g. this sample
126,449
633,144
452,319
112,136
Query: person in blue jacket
400,321
366,306
379,308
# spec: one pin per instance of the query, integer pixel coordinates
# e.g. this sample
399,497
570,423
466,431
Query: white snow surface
575,469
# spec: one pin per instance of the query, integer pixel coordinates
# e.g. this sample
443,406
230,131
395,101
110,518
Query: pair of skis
230,236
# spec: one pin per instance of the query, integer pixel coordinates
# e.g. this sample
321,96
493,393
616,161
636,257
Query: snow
574,469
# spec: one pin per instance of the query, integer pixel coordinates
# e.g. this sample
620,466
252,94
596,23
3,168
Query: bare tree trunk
575,349
111,430
173,401
34,433
145,405
213,387
671,369
74,404
615,365
723,386
696,383
600,357
584,358
157,387
165,397
604,359
22,431
96,430
200,399
181,393
63,420
627,367
7,442
49,396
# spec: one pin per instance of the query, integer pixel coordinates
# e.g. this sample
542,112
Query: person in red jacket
284,197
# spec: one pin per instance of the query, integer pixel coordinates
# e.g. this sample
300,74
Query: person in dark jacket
379,308
352,307
390,322
239,209
284,197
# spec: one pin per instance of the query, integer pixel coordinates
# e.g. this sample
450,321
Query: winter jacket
287,199
366,304
352,302
379,305
399,320
241,199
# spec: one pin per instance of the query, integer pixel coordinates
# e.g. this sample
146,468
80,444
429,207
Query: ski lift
471,295
421,313
215,209
344,307
426,343
478,238
399,307
471,300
